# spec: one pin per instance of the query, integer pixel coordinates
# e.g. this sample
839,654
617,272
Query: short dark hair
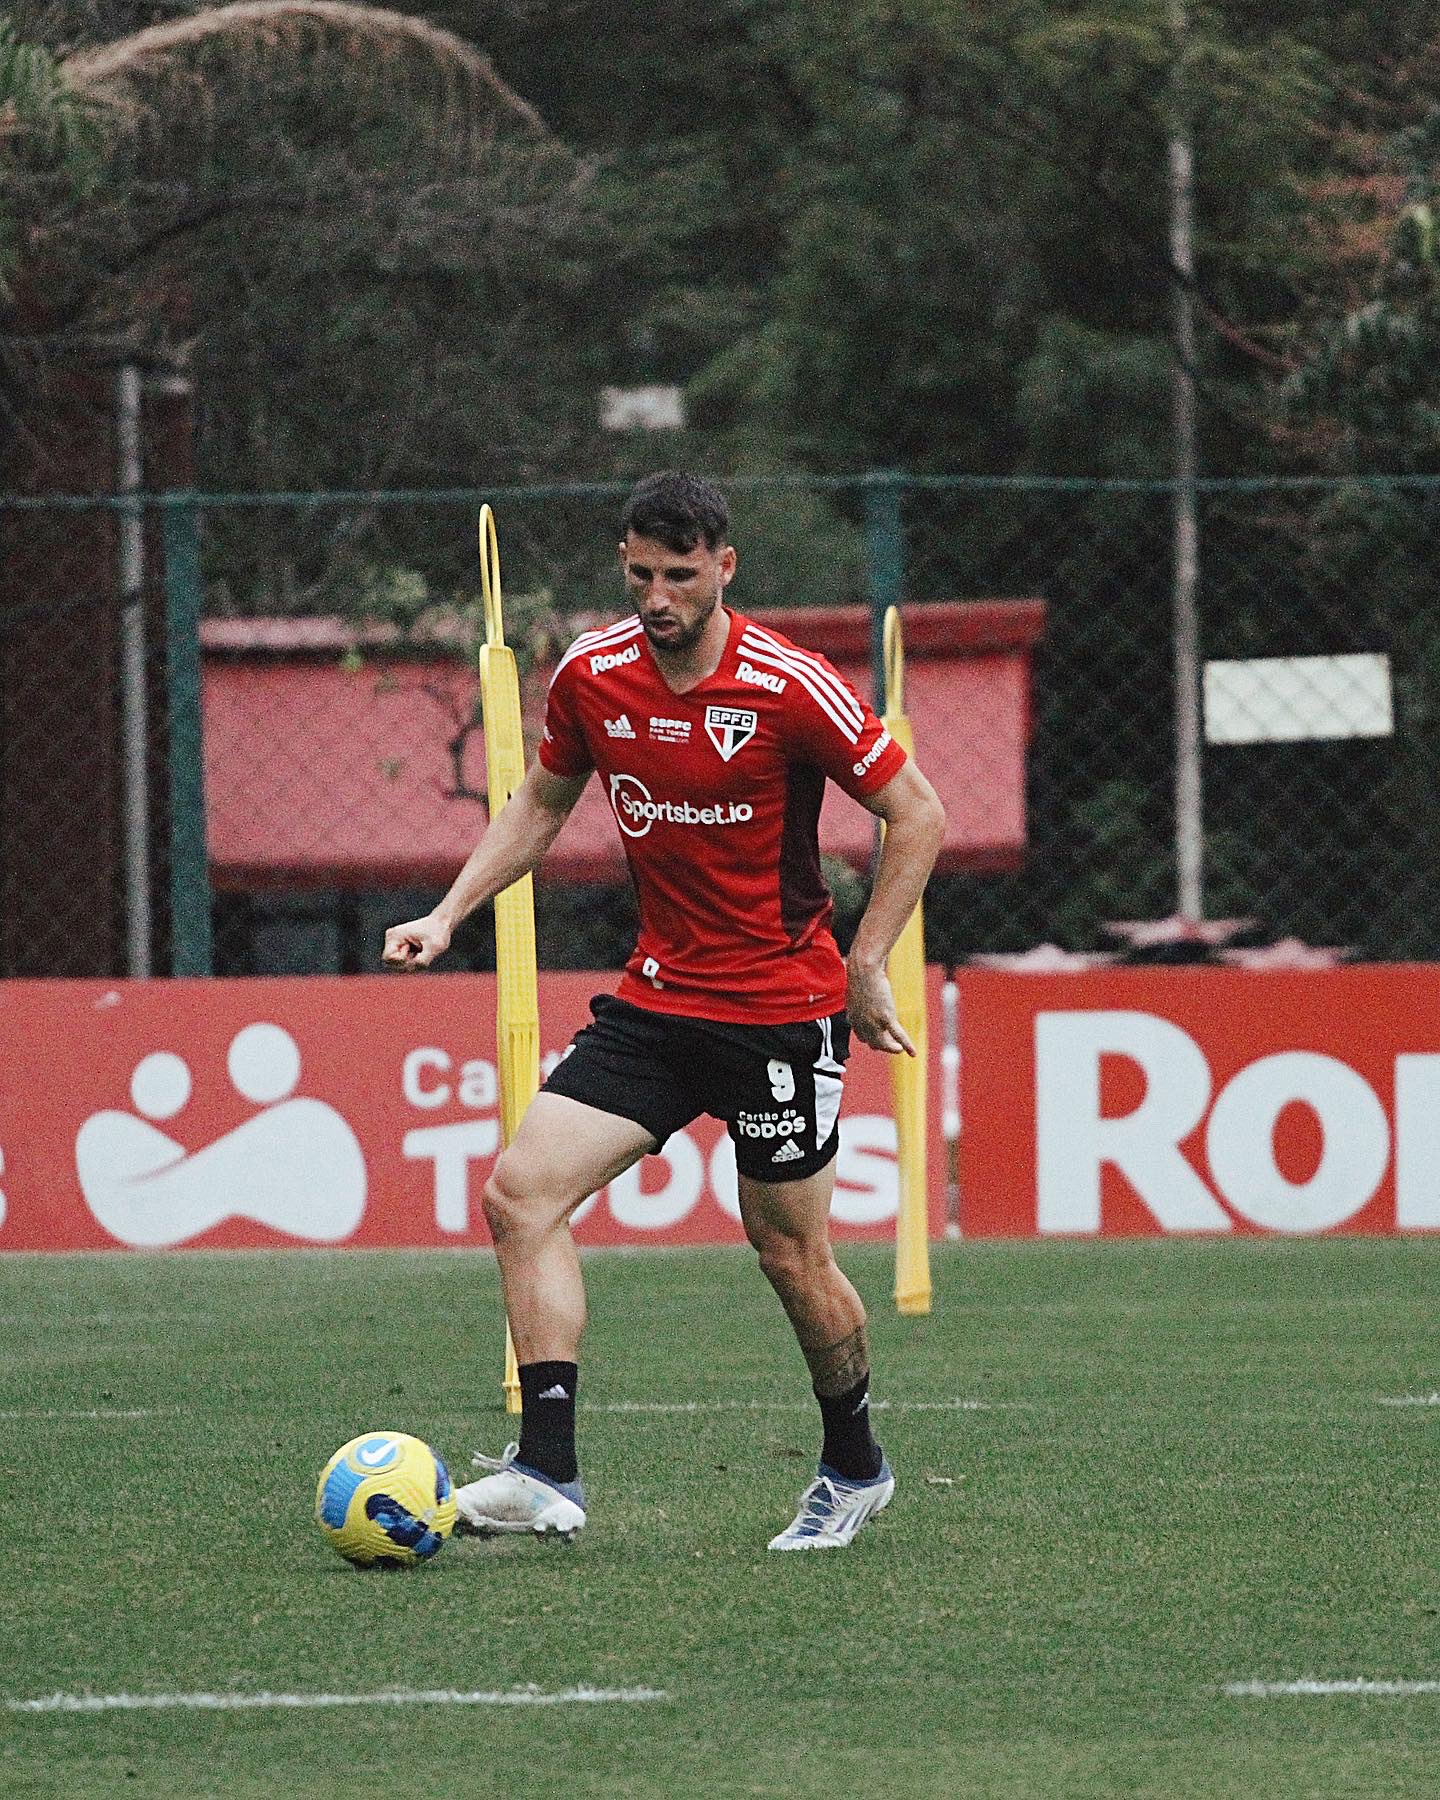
677,510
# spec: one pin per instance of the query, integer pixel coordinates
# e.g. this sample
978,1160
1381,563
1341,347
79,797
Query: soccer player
714,736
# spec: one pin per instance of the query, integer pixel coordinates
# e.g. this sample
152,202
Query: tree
40,109
1369,387
358,270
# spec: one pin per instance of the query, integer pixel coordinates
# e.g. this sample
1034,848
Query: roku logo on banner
1075,1141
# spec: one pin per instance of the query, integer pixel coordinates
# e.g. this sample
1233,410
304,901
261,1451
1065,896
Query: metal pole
192,951
1189,802
134,723
884,565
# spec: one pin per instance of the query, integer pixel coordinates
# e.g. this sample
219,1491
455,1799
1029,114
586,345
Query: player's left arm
914,829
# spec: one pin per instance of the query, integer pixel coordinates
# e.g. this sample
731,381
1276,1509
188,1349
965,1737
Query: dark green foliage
925,233
1373,376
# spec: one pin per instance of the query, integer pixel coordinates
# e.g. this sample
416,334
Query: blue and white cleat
833,1509
517,1498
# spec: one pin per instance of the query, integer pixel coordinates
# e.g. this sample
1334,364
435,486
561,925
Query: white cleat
514,1498
832,1510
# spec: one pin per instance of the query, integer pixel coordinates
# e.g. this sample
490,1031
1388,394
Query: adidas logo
620,728
555,1393
789,1151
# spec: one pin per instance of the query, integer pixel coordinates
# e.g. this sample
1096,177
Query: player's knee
511,1209
794,1264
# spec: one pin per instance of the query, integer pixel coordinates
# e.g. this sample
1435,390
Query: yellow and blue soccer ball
385,1501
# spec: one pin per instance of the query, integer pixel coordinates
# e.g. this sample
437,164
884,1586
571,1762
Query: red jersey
717,795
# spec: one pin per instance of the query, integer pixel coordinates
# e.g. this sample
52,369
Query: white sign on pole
1290,699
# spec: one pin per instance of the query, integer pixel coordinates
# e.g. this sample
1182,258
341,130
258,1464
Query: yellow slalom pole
517,1013
908,1075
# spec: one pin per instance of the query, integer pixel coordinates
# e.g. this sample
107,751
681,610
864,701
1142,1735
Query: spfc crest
729,728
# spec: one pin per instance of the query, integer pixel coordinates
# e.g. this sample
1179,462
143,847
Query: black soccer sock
547,1418
850,1448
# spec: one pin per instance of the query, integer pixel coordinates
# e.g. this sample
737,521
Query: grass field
1180,1474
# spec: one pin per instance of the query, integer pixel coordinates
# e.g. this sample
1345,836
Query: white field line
524,1696
94,1412
1273,1690
612,1406
799,1406
1410,1400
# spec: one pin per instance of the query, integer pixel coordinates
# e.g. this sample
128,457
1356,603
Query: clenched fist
416,945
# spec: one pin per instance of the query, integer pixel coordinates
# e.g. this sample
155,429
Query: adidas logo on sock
555,1393
789,1151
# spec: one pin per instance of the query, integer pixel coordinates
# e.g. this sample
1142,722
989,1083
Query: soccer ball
385,1501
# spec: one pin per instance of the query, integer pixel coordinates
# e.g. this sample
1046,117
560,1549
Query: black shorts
776,1086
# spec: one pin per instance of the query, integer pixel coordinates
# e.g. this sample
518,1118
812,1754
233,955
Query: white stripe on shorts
826,1059
828,1089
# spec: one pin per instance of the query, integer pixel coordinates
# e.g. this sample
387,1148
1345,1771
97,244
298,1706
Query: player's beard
687,637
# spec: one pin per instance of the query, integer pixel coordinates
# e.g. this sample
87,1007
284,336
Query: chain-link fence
1321,826
260,746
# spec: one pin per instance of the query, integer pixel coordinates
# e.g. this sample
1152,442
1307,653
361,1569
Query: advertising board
1148,1101
357,1112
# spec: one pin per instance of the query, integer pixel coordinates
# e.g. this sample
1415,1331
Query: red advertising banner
360,1112
1201,1100
364,1112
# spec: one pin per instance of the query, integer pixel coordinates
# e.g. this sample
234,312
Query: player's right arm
512,845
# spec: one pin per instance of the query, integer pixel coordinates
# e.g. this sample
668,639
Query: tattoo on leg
835,1368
